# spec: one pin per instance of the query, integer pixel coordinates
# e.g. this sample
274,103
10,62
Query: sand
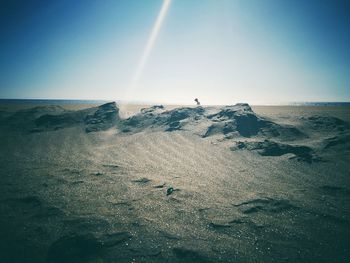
140,183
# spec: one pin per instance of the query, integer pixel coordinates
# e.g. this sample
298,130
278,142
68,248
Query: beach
153,183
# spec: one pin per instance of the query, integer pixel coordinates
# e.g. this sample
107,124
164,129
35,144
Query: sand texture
233,183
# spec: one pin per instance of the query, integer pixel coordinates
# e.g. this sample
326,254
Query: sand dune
187,184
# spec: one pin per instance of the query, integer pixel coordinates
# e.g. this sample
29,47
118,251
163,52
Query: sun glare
150,43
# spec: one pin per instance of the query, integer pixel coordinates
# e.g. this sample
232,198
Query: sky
172,51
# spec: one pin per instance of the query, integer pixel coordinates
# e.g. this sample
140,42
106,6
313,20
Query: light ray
150,43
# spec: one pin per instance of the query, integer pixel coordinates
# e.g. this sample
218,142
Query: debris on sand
169,191
143,180
111,165
159,186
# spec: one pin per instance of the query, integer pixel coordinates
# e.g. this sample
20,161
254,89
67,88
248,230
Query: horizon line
292,103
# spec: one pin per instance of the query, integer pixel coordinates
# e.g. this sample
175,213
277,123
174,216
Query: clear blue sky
221,51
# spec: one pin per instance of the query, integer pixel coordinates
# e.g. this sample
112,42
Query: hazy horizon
171,51
140,102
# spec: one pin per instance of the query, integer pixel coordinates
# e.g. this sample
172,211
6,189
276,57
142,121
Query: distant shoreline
67,102
51,101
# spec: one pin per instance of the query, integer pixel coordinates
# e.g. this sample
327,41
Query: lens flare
150,43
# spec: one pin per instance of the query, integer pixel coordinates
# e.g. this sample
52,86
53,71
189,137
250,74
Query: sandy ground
85,187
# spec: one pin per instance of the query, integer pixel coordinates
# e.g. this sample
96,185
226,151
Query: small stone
169,191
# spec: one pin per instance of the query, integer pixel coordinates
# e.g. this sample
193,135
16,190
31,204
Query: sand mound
23,119
55,122
105,117
94,119
239,118
230,121
38,111
159,119
144,119
341,141
271,148
324,123
153,109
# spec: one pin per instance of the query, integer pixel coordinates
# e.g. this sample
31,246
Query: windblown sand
174,184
